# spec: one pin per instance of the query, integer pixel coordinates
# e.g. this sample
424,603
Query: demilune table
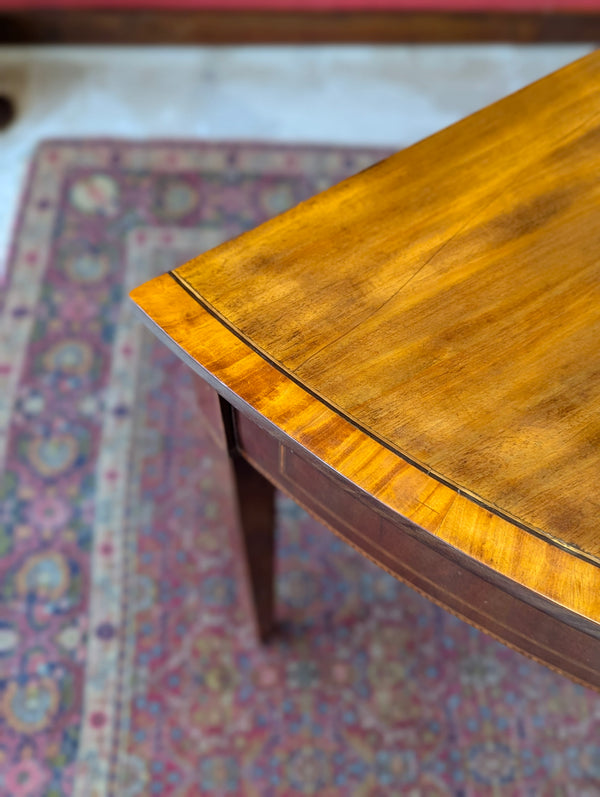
414,356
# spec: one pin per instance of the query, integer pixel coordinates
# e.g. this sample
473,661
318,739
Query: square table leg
253,530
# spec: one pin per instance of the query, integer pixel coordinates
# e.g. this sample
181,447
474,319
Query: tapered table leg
254,543
253,531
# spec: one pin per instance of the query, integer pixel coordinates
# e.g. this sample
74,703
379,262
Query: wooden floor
112,26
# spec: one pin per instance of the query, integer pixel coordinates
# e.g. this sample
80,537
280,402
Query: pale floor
346,95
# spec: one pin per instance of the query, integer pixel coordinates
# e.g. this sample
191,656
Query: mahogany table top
430,328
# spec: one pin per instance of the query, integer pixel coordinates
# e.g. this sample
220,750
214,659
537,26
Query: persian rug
127,666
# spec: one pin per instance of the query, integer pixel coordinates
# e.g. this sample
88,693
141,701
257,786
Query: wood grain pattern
175,26
425,336
447,302
546,580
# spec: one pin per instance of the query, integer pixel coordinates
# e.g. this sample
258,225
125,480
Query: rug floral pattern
126,664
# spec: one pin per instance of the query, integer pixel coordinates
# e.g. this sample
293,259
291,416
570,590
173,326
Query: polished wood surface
423,339
174,26
447,301
533,595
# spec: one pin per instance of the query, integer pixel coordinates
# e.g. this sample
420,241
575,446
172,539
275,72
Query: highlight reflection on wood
429,331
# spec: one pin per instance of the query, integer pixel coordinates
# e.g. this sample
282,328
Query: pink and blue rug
126,665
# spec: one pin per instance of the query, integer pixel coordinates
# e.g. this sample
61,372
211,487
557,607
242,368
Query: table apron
437,570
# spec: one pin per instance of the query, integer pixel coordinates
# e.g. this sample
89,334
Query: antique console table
414,356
